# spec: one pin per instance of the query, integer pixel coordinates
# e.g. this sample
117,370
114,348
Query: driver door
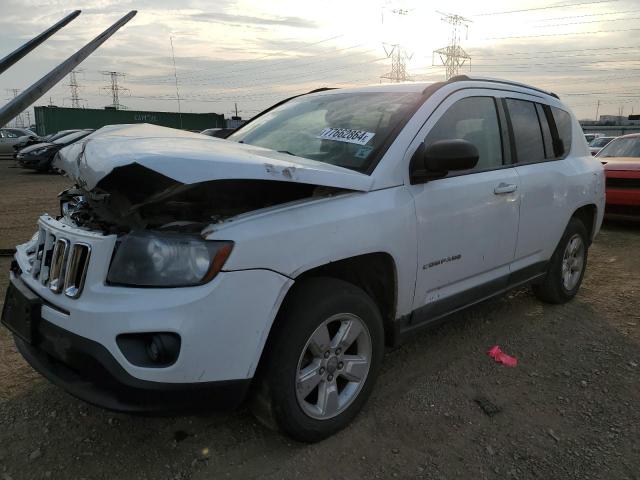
467,222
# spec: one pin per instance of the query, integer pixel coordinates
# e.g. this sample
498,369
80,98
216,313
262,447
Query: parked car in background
590,137
621,160
277,263
13,136
39,156
598,143
54,136
218,132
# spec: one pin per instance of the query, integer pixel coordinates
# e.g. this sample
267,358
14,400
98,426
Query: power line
588,21
543,8
545,52
588,15
562,34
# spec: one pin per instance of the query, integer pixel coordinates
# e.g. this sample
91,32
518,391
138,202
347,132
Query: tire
559,286
313,307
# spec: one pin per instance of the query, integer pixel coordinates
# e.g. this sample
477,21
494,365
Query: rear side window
526,131
563,124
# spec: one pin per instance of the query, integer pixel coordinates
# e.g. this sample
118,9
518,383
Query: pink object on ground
501,357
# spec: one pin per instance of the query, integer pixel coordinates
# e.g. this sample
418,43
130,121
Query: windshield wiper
287,152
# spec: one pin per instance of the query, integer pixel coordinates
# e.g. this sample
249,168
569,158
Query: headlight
153,259
39,151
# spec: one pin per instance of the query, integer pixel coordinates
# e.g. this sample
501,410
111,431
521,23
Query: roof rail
464,78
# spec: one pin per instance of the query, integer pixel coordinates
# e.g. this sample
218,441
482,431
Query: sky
255,53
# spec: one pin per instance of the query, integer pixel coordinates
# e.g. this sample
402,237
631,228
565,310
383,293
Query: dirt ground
570,409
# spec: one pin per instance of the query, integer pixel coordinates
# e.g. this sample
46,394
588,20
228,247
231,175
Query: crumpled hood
192,158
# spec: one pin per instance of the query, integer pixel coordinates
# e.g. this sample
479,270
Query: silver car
10,136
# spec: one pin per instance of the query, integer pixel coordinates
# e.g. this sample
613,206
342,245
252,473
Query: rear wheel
567,266
322,361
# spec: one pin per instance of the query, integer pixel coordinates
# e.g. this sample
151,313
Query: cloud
243,20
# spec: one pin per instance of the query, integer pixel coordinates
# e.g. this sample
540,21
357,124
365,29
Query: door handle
505,188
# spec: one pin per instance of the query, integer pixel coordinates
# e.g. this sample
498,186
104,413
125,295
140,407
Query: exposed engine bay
134,197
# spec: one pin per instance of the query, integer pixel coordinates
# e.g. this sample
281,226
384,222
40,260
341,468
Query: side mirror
441,157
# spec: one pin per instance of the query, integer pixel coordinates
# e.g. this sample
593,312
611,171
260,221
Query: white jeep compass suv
277,263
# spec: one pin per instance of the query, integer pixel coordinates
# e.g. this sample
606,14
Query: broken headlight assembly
153,259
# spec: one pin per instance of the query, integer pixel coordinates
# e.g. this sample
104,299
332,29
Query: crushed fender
499,356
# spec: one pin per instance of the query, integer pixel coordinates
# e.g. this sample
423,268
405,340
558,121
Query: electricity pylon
453,55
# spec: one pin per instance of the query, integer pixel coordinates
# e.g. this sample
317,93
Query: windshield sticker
346,135
364,151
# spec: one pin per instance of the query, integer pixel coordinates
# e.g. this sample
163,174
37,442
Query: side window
526,131
474,119
547,136
563,124
10,134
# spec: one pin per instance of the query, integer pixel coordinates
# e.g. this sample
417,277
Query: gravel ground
568,410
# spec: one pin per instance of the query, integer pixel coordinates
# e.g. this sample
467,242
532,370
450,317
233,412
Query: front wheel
567,266
322,361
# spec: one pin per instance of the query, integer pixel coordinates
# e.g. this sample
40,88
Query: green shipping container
53,119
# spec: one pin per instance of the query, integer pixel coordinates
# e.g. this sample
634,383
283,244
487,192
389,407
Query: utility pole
18,121
175,76
453,56
397,54
75,88
597,109
115,89
398,57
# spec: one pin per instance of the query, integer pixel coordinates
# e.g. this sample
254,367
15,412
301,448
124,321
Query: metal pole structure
20,52
46,83
175,76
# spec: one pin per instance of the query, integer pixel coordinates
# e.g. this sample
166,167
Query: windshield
600,142
345,129
72,137
622,147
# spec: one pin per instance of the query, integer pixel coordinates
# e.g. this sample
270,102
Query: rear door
467,221
542,139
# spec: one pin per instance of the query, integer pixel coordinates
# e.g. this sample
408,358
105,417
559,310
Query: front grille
58,263
613,182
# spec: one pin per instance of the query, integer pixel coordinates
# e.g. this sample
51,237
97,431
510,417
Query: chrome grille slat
45,263
37,257
76,271
58,265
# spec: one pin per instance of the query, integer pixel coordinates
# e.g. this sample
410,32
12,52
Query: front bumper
223,325
40,162
88,371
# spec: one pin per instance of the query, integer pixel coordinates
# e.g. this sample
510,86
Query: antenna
175,75
453,55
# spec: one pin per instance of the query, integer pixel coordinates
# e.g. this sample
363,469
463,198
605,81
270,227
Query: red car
621,160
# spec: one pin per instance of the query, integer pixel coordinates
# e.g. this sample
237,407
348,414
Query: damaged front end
144,177
136,198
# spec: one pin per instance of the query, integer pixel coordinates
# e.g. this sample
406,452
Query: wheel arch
375,273
588,215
